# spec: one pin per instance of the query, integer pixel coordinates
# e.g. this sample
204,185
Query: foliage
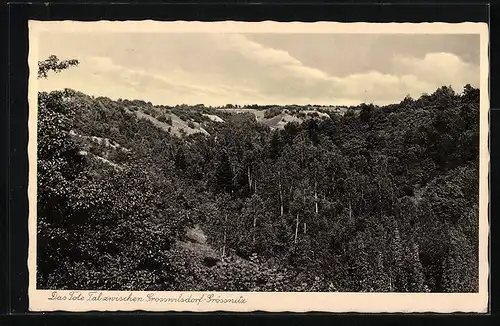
53,63
383,199
272,112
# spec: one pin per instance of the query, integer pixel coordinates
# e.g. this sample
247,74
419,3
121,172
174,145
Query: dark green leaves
53,63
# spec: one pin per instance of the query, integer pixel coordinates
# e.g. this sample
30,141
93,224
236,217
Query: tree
470,94
381,199
416,279
460,266
59,164
366,112
53,63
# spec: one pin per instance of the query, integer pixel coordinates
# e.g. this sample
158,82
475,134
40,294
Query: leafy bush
165,119
272,112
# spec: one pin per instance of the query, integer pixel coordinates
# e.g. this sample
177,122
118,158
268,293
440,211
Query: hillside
136,196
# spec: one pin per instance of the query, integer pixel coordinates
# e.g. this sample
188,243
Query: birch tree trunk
316,197
281,198
225,237
249,178
296,228
233,180
379,200
254,227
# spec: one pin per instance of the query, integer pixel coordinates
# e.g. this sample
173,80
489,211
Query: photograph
201,166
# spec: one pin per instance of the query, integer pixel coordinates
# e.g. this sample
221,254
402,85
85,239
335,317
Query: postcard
258,166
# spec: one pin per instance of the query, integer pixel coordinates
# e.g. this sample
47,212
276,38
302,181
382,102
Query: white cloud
270,59
439,69
254,51
101,76
216,69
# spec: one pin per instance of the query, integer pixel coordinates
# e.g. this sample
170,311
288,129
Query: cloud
279,74
101,76
414,76
440,69
277,58
217,69
255,51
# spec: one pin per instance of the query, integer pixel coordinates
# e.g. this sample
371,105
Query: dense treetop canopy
374,199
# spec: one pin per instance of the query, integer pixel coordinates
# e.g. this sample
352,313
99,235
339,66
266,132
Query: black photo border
14,91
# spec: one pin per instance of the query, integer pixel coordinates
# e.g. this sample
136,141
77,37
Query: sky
262,68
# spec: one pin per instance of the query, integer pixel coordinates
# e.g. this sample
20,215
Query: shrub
272,112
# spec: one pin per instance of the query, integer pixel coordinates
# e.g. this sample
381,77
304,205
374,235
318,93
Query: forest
370,199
